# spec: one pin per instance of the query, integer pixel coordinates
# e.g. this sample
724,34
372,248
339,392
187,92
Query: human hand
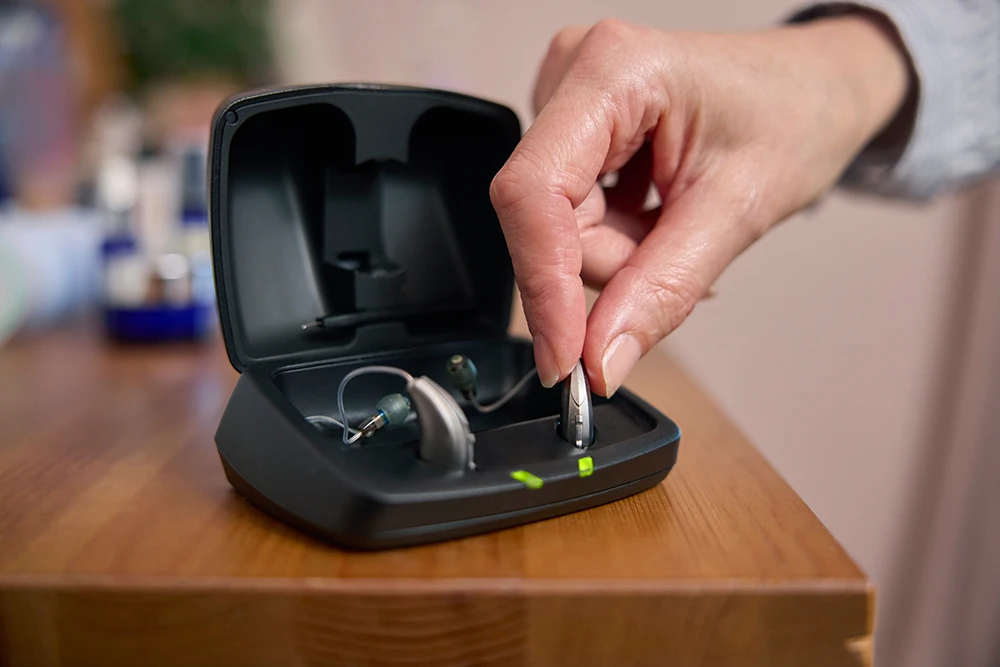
736,132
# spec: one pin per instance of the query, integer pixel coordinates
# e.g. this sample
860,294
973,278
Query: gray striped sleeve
954,46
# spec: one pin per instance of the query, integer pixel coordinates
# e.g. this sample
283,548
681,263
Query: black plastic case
369,205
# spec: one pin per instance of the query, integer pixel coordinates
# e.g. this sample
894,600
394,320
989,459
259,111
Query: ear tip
395,407
463,372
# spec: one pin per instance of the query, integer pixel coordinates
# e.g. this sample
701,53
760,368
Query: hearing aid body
445,436
576,421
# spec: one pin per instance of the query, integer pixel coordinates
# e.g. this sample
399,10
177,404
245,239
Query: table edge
174,583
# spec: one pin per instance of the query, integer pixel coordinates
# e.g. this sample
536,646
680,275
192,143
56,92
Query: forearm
868,64
948,132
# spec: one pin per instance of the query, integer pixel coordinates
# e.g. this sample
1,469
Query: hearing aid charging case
370,204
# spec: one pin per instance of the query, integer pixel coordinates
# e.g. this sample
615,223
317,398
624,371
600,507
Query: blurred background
857,345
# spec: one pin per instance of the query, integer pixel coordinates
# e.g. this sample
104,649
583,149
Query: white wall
825,344
826,341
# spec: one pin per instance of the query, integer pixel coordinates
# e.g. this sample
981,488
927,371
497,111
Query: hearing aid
576,420
445,436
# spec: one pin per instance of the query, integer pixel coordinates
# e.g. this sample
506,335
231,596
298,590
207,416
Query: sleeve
953,135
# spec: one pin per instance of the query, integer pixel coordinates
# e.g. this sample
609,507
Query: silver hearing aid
576,421
445,436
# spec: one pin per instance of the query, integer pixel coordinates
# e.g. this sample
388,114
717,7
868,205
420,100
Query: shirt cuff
955,135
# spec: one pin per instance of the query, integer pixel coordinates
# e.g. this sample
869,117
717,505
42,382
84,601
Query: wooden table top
121,538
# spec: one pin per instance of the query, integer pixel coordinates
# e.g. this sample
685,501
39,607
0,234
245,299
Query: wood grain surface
121,543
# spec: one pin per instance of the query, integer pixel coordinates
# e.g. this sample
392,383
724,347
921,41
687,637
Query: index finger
549,174
590,125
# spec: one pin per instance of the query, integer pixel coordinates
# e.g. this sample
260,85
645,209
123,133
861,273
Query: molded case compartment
521,433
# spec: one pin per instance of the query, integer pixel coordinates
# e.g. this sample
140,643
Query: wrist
869,62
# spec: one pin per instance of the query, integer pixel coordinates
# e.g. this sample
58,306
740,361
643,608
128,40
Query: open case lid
363,210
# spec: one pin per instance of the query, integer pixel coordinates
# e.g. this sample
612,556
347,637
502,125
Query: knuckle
564,43
611,31
750,205
606,48
540,266
536,289
531,171
506,188
543,291
518,179
618,58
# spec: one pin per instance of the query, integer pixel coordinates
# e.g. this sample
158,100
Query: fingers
535,204
661,282
592,211
609,240
608,246
629,194
595,121
562,52
605,250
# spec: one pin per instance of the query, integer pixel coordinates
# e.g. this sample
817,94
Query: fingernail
621,355
545,361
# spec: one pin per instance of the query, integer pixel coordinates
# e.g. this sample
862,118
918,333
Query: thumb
660,284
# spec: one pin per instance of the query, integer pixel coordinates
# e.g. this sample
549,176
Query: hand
735,132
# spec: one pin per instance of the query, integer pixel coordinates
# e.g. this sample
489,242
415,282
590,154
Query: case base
381,494
440,531
352,225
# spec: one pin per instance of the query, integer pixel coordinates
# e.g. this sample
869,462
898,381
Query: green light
526,478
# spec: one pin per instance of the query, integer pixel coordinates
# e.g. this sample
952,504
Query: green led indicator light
526,478
586,465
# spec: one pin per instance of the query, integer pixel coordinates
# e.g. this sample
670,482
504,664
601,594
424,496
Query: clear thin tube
399,372
503,400
364,370
328,422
